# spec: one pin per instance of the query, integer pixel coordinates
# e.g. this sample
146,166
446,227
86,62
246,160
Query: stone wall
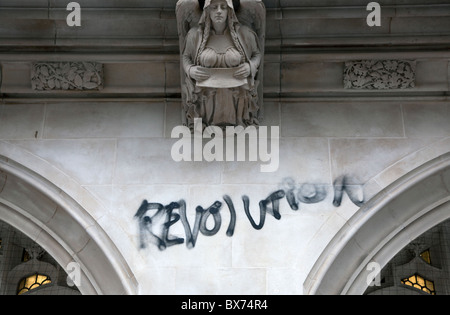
120,153
115,143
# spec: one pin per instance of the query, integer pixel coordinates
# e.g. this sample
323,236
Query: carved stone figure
222,50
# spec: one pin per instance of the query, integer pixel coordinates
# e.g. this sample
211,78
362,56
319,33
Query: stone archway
53,219
396,216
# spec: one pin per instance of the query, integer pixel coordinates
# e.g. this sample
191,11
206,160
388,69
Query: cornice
150,26
138,46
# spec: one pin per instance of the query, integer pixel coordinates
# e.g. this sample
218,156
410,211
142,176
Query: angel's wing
252,13
188,14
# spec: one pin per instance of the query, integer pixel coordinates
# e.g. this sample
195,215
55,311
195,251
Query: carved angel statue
222,50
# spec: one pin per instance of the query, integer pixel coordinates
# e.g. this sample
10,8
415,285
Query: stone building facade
87,170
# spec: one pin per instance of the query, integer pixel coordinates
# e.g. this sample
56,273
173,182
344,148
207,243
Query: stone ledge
292,75
152,26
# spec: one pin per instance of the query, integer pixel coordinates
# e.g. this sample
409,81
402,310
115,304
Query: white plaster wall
119,152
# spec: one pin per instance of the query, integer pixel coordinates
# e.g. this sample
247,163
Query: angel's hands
199,74
243,71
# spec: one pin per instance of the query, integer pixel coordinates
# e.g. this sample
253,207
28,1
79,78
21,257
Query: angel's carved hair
236,4
234,36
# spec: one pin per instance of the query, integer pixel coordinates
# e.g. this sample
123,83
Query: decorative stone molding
65,76
380,74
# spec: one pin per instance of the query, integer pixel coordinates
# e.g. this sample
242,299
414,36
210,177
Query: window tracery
420,283
32,282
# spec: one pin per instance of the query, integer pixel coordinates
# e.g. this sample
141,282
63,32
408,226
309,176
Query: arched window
420,267
32,282
420,283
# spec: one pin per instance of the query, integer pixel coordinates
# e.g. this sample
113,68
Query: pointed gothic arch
380,229
58,223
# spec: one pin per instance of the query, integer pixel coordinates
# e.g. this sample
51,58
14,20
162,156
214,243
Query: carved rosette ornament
222,50
66,76
380,74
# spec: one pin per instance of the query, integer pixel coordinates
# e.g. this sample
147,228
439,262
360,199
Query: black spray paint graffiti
313,193
155,219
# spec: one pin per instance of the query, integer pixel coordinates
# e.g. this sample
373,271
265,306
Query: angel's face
218,11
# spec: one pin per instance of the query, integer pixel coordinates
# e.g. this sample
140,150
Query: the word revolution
155,219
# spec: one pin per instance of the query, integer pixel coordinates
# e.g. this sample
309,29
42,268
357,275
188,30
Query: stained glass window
32,282
419,282
426,256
